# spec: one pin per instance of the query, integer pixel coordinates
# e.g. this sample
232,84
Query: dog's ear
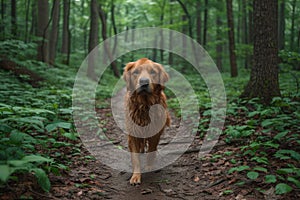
126,74
163,75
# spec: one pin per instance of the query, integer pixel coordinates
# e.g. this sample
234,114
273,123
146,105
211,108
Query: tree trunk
65,49
233,65
27,4
293,25
14,18
42,30
93,39
104,37
54,31
198,21
205,23
170,59
263,81
188,17
33,28
113,21
281,28
245,30
3,10
162,16
219,46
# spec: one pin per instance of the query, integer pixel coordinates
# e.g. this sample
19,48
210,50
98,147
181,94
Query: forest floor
187,178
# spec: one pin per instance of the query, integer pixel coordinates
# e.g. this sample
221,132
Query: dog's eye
135,72
153,72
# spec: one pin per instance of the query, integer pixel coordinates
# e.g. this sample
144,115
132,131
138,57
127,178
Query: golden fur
137,105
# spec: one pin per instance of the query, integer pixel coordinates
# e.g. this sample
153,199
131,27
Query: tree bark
54,31
219,46
104,37
14,18
42,30
281,28
3,10
233,65
263,81
65,49
199,21
205,22
27,4
293,25
33,28
93,39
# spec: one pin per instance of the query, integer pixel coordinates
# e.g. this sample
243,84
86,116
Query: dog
146,114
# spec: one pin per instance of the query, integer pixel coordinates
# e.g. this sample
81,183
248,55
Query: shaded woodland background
255,45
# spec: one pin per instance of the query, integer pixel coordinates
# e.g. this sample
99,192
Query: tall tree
263,81
14,18
66,34
233,65
54,31
104,37
205,22
93,39
198,21
3,10
42,30
27,4
281,28
292,39
219,38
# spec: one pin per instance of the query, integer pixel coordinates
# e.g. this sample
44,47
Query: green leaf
53,126
294,180
252,175
239,168
42,179
5,172
282,188
285,170
262,169
36,158
281,135
270,179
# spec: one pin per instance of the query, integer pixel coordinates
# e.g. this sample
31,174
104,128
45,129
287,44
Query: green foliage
282,188
289,60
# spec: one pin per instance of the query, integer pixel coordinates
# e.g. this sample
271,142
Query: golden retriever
146,113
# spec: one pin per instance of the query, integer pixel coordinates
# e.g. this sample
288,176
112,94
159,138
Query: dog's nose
144,81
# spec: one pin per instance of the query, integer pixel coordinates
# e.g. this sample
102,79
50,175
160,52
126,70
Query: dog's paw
135,179
149,168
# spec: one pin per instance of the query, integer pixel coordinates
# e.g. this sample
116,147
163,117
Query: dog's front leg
135,159
136,176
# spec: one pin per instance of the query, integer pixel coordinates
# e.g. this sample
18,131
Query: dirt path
187,178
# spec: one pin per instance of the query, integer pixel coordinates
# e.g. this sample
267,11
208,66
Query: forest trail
187,178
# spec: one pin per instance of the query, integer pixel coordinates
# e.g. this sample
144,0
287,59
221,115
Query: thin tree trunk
65,49
205,22
3,10
219,46
14,18
54,31
188,16
293,25
33,28
298,40
93,39
250,31
113,21
245,30
281,28
42,30
264,74
233,65
27,19
161,34
199,21
239,22
104,37
170,59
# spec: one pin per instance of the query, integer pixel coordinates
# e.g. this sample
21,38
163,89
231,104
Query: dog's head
145,76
